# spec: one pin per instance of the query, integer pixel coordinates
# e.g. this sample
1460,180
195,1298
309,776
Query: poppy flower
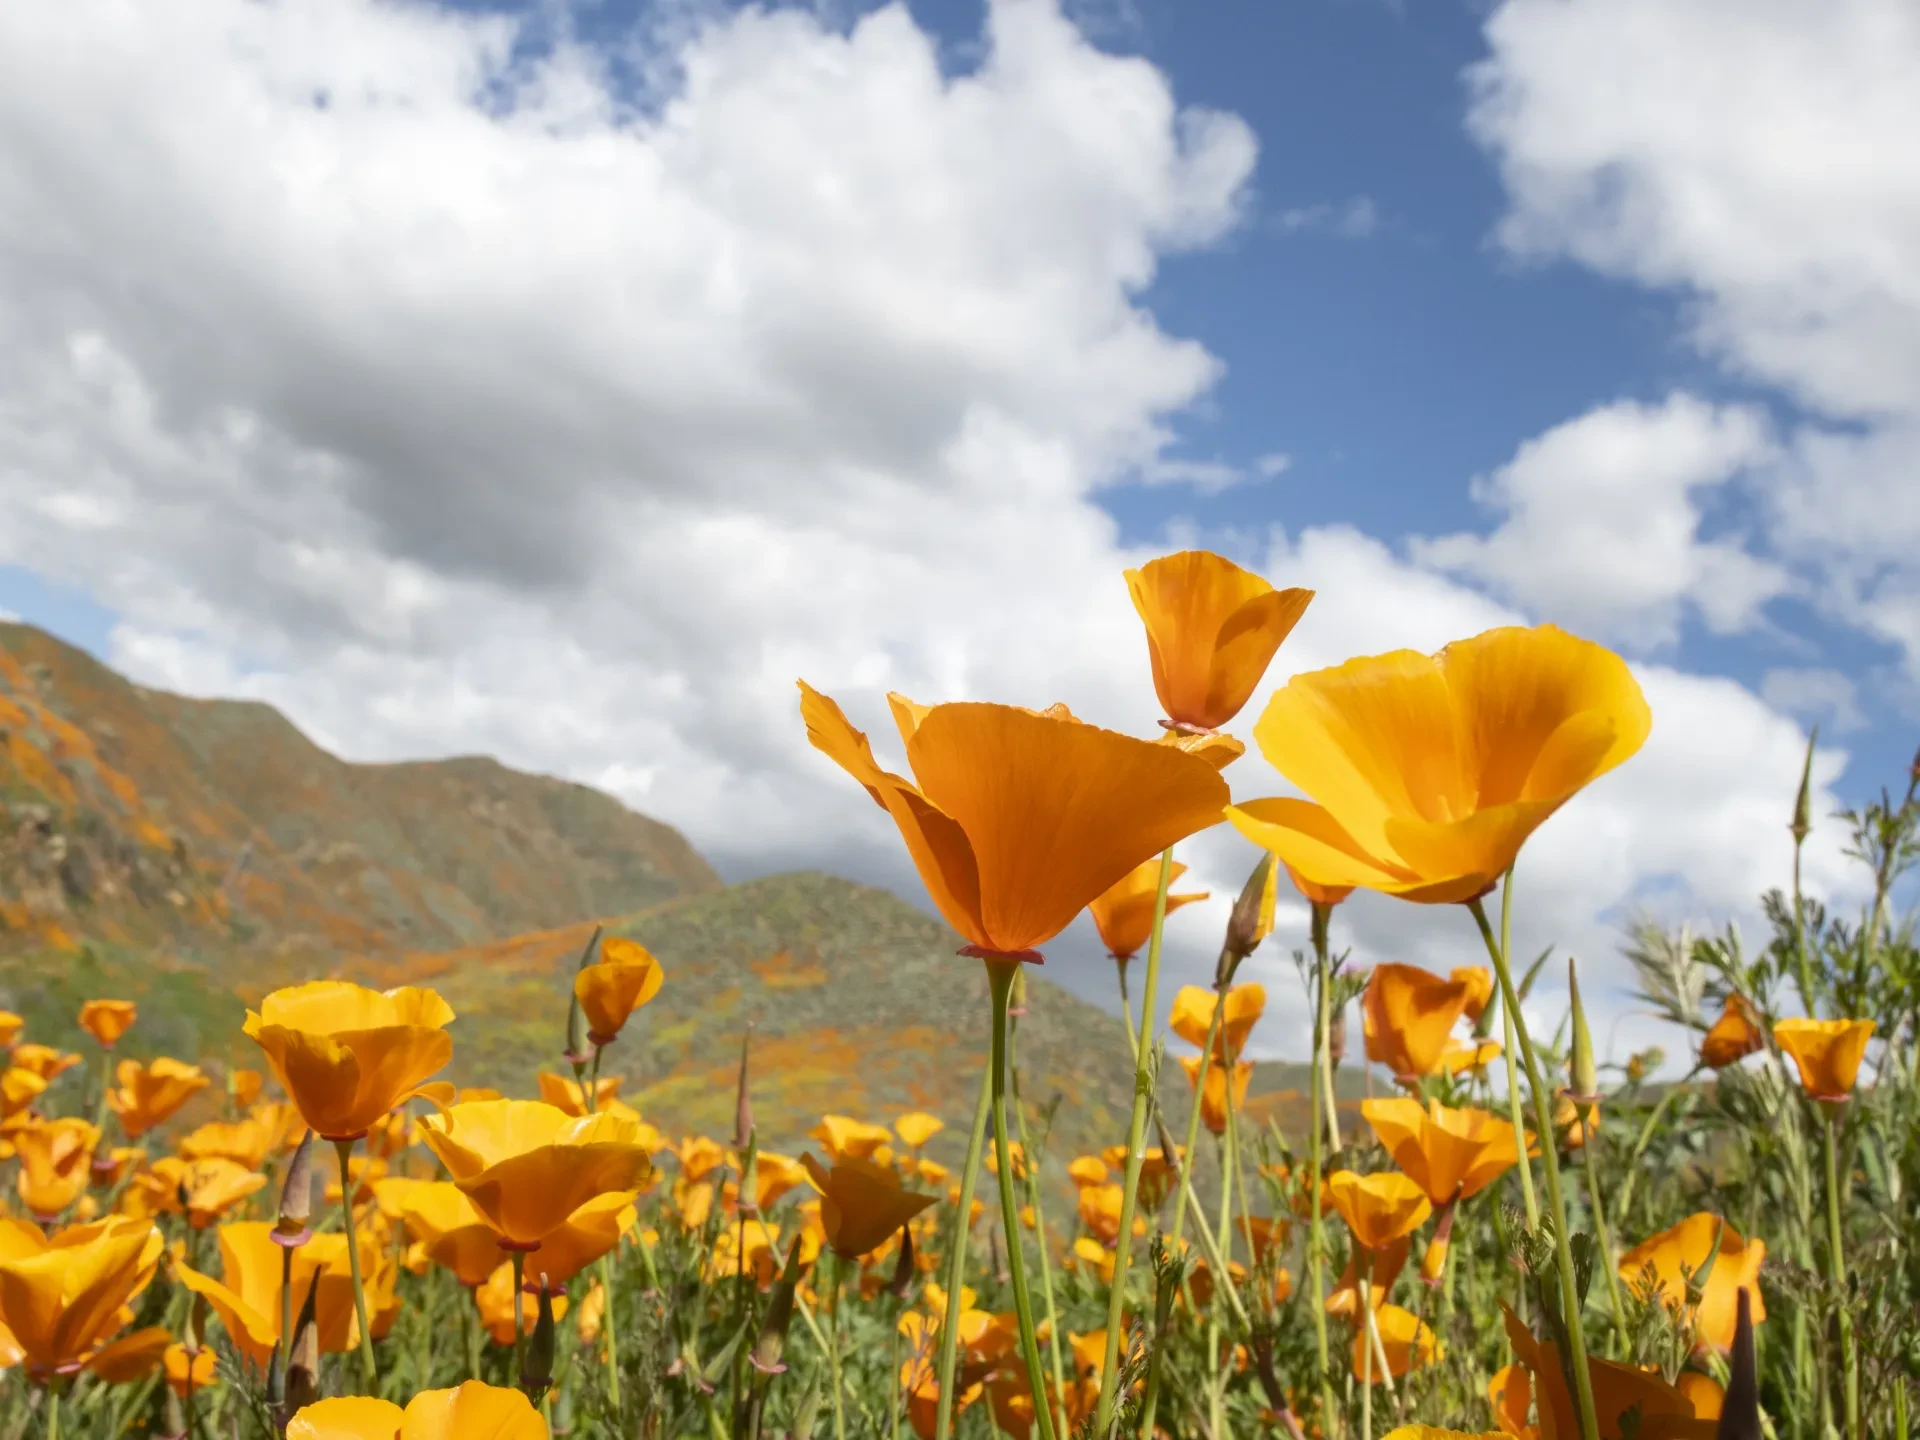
527,1165
203,1190
1383,1268
699,1156
625,977
457,1237
1019,819
1088,1170
916,1128
1100,1211
247,1296
1827,1053
43,1060
1428,773
1655,1266
131,1357
774,1176
56,1162
61,1295
243,1085
188,1370
1315,894
107,1020
10,1027
1480,986
1192,1017
571,1097
861,1204
1463,1056
1734,1036
1213,1100
1663,1411
18,1089
1510,1393
1378,1209
1123,912
494,1299
845,1138
593,1230
1450,1154
1408,1342
1407,1015
150,1095
471,1410
247,1142
1212,630
346,1054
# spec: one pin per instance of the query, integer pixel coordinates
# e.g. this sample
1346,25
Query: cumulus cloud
1600,522
1824,697
442,396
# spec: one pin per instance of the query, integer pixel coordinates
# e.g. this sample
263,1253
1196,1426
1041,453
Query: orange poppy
845,1138
1407,1015
571,1097
1480,986
202,1190
1510,1393
1313,894
19,1089
1408,1342
916,1128
457,1237
150,1095
187,1370
1462,1056
471,1410
1450,1154
1378,1209
1657,1265
494,1298
107,1020
346,1054
1734,1036
10,1027
1663,1411
56,1161
1020,819
1088,1170
43,1060
246,1142
1192,1016
129,1358
61,1295
1383,1268
1827,1052
1123,912
1428,773
1212,630
244,1086
862,1204
624,978
1213,1100
247,1296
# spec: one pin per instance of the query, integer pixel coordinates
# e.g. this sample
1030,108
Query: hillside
214,826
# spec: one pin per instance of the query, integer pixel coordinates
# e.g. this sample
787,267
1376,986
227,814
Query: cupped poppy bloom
1213,1098
56,1162
1407,1015
527,1165
10,1027
1383,1268
1020,819
916,1128
247,1296
19,1089
571,1097
1212,630
861,1204
202,1190
1510,1393
188,1370
247,1142
1428,773
845,1138
131,1357
1408,1342
1123,912
1314,893
1827,1052
773,1177
61,1295
1734,1036
624,978
1450,1154
1437,1432
1660,1411
495,1301
1463,1056
1378,1209
43,1060
108,1020
1480,987
1088,1170
1661,1264
150,1095
593,1230
438,1215
473,1409
243,1084
346,1054
1192,1017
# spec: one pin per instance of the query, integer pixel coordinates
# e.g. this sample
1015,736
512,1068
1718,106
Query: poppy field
1513,1239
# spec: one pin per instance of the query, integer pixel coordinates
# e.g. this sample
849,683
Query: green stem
1836,1272
1363,1269
1543,1112
833,1347
519,1314
1136,1154
1607,1262
610,1327
53,1412
1317,1238
957,1256
369,1373
1126,1005
1512,1048
1054,1346
1000,978
286,1309
1185,1158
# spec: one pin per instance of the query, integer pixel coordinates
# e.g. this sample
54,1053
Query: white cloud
1824,697
1600,522
1352,219
1756,158
475,412
1273,464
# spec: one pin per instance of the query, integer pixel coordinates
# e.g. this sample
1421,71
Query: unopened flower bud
296,1197
537,1374
1252,919
1803,803
577,1051
1585,1077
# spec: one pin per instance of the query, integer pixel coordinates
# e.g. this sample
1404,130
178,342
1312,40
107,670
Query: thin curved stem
368,1371
957,1261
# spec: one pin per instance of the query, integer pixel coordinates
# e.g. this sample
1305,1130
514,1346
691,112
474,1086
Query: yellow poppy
1407,1015
1213,1100
571,1097
61,1295
625,977
1378,1209
150,1095
346,1054
845,1138
203,1190
1427,774
247,1142
473,1409
1315,894
1734,1036
244,1085
1655,1266
1827,1052
43,1060
1123,912
247,1296
699,1156
1021,819
187,1370
107,1020
588,1233
19,1089
131,1357
916,1128
1662,1410
593,1312
527,1165
1383,1268
10,1027
1212,630
1480,986
1409,1345
1193,1015
494,1298
861,1204
56,1161
774,1176
457,1237
1088,1170
1450,1154
1461,1056
1510,1394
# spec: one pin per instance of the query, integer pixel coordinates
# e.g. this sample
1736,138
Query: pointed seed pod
577,1052
772,1340
536,1375
1252,918
743,1101
1585,1089
290,1231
